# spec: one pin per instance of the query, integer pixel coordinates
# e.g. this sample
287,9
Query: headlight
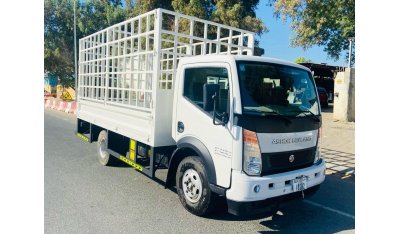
317,151
252,164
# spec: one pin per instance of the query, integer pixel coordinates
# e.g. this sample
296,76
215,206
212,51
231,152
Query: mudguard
186,146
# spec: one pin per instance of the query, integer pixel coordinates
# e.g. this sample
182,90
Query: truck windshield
274,88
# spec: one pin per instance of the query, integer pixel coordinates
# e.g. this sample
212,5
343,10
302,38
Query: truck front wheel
193,188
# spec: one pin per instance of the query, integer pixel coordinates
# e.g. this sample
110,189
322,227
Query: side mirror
224,118
210,95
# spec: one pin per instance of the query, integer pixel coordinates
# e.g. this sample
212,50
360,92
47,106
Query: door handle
181,127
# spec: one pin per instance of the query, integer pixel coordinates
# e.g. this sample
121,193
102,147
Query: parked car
323,96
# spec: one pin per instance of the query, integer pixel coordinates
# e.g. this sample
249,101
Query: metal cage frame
124,64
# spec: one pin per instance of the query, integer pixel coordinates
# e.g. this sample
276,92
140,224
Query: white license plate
299,184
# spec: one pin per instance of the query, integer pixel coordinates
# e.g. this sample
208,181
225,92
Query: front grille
273,163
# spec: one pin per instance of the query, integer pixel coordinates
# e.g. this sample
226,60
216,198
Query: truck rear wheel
193,188
104,157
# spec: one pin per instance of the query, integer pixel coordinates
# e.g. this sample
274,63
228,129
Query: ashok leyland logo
291,140
291,158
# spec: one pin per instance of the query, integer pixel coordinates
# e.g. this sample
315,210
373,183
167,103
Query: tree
327,23
198,8
239,13
92,16
302,60
143,6
99,14
59,40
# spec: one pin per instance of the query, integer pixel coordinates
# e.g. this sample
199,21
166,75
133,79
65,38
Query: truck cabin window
267,87
196,78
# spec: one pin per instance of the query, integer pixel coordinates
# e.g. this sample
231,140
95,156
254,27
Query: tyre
193,188
104,157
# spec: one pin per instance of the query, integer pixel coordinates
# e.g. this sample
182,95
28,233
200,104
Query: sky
276,42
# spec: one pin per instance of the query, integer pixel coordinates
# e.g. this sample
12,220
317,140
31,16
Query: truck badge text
291,140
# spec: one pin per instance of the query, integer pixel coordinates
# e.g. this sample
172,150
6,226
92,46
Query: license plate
299,184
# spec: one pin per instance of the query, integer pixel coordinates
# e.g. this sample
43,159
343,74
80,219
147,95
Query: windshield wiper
269,113
274,113
310,114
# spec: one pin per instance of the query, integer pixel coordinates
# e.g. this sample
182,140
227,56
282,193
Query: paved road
338,145
337,135
81,196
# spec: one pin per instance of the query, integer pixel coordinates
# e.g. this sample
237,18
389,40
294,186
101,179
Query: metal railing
125,63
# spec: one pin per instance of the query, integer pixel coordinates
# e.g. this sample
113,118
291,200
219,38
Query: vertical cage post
251,43
157,52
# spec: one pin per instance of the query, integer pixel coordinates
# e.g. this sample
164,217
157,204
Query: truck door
192,120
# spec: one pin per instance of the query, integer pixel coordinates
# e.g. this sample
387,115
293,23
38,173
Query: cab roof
231,58
268,60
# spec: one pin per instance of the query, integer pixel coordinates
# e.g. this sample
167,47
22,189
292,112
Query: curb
64,106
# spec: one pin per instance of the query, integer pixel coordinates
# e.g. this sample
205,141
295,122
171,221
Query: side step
144,170
85,137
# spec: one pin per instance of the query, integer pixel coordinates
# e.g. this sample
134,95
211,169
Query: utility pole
76,70
351,39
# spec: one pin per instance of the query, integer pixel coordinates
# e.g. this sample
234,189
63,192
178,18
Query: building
324,76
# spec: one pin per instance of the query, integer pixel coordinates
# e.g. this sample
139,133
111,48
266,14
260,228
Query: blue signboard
50,80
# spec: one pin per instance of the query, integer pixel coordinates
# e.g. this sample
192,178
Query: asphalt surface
81,196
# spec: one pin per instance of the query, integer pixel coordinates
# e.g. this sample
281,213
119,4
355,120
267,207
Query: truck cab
255,122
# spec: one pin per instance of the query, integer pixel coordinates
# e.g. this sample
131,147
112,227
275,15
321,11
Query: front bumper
269,204
271,186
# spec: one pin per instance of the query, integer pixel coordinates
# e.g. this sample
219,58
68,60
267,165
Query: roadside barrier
70,108
61,106
46,103
53,106
74,108
67,107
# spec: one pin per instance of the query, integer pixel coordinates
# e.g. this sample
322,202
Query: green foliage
239,14
92,16
143,6
198,8
96,15
59,40
302,60
327,23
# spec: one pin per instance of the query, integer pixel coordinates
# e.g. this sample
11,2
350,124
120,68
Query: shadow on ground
303,218
298,217
339,163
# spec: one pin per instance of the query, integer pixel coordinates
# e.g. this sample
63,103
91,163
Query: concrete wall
344,96
351,115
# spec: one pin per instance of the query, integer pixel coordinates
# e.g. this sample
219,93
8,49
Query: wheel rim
191,185
102,149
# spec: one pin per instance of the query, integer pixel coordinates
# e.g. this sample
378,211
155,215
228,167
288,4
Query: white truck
166,91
